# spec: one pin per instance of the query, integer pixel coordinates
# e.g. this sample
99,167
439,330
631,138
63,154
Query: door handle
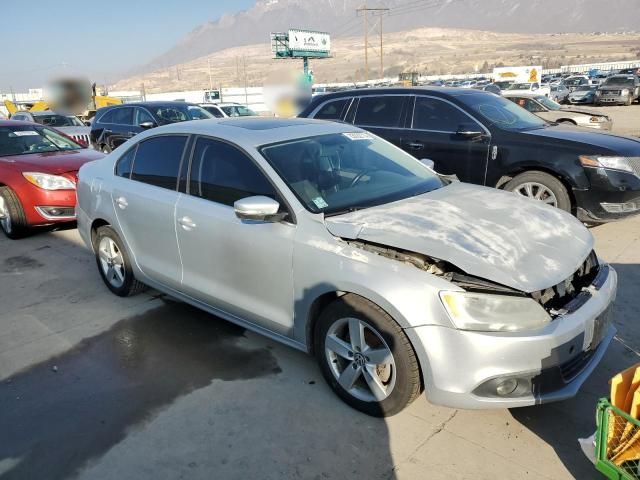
415,145
122,202
187,223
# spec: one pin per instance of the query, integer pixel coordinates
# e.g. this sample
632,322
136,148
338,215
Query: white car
223,110
530,87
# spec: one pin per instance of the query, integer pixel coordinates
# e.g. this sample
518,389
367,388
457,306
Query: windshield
619,81
238,111
520,86
573,81
343,172
547,102
502,113
25,139
55,120
178,113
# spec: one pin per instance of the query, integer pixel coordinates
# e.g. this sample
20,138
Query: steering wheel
359,176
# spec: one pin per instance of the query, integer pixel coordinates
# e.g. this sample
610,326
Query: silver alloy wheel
537,191
5,216
111,262
360,359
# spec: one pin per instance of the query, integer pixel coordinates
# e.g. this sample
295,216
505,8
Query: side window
382,111
215,111
20,117
123,116
143,116
107,117
333,110
223,174
123,167
157,161
436,115
532,106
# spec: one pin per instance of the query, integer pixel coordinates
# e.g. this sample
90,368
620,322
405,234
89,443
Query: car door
243,268
141,116
121,126
144,195
383,115
446,134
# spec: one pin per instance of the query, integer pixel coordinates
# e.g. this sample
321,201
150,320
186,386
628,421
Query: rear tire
14,221
365,357
114,264
541,186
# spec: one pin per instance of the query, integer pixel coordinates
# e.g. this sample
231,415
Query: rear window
381,111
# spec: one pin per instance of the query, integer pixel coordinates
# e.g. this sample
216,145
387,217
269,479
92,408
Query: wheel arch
567,120
531,168
324,300
95,225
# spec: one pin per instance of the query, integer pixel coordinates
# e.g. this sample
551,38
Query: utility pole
378,12
210,80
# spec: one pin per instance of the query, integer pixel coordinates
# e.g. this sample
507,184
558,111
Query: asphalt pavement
93,386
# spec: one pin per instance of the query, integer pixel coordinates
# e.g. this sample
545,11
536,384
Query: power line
378,12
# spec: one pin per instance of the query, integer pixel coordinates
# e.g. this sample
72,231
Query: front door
442,132
241,267
144,196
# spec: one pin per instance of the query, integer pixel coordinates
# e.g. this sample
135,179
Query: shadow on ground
561,424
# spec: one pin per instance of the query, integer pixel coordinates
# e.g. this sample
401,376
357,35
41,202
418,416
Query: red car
38,172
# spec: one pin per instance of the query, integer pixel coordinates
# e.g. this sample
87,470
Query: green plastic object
607,413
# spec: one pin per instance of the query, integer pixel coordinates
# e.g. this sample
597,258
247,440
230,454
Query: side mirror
427,162
258,208
147,125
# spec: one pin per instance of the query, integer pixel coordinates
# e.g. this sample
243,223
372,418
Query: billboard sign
309,41
526,74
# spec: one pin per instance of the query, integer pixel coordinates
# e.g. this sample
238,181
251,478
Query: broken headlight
493,313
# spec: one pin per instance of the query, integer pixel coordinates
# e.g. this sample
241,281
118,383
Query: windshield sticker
357,135
320,203
26,133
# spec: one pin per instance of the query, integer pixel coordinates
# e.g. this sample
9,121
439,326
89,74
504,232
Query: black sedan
112,126
488,140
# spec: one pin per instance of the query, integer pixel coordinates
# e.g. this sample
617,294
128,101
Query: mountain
428,50
339,18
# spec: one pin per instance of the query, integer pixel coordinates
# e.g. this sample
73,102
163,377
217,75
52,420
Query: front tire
541,186
365,357
13,220
114,264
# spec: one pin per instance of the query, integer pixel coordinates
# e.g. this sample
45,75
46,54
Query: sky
99,39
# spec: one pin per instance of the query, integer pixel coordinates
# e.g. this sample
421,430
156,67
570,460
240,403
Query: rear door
144,196
121,126
456,142
384,115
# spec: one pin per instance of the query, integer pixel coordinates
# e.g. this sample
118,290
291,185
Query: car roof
253,131
507,93
154,103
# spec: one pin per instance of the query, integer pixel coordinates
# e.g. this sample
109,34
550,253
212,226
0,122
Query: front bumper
613,195
612,99
45,207
458,365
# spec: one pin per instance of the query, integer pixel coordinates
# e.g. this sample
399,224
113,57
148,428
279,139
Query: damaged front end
560,299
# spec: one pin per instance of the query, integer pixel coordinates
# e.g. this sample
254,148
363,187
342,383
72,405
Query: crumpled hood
492,234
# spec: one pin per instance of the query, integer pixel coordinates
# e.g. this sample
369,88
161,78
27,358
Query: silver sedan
333,241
